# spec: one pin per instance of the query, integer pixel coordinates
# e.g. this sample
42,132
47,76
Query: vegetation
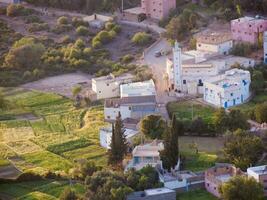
14,10
242,149
141,38
118,142
242,187
153,126
260,112
170,154
196,195
68,194
82,31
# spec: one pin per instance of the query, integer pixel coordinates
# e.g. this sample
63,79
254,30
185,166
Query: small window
99,92
130,108
232,94
184,81
107,84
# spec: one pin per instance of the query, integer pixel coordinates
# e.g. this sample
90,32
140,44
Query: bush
112,34
103,36
79,44
109,26
127,58
65,39
37,73
96,43
62,20
35,27
242,49
3,10
27,75
82,31
58,29
261,113
29,176
141,38
32,19
76,22
117,29
14,10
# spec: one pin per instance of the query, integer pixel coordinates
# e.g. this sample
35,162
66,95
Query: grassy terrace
184,110
58,136
196,195
48,190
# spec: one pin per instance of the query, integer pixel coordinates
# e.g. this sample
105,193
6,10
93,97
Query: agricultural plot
61,135
191,109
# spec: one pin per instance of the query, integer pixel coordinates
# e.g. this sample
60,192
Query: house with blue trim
229,89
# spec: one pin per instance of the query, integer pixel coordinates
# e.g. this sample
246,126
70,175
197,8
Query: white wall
112,113
222,48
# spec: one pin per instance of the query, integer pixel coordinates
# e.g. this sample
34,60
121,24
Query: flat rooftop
260,170
214,37
149,150
146,88
112,77
158,191
249,19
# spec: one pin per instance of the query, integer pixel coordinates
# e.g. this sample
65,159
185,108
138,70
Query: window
130,108
108,117
232,94
107,84
184,81
199,45
99,92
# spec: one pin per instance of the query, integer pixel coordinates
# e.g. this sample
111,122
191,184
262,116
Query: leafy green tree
141,38
237,120
76,90
221,120
68,194
198,126
242,188
257,81
170,154
25,53
118,144
120,193
242,149
153,126
261,112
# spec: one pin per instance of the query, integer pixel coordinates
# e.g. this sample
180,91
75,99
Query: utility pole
122,6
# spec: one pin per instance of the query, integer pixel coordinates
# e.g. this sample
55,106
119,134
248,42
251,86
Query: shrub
103,36
27,74
76,22
58,29
32,19
109,26
62,20
65,39
14,10
82,31
96,43
127,58
141,38
29,176
261,113
35,27
87,52
112,34
117,29
3,10
37,73
79,44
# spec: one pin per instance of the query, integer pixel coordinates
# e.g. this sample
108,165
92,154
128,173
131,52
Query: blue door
234,102
225,104
265,60
242,98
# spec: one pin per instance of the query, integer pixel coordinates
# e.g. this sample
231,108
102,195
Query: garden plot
17,134
23,147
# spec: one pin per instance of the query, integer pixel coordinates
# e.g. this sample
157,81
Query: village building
153,194
217,42
152,9
10,1
97,21
105,136
260,174
109,86
265,47
187,71
146,154
219,174
129,107
145,88
136,101
248,29
229,89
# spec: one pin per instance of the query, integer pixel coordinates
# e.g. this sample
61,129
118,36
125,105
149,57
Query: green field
58,136
189,109
196,195
48,190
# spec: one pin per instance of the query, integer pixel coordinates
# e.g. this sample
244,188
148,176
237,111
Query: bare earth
61,84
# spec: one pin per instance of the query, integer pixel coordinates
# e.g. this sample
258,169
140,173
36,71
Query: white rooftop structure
259,170
158,191
148,150
146,88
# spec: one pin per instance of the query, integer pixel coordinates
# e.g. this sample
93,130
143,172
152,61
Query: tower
265,46
177,66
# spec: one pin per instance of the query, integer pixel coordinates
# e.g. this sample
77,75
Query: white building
145,88
105,135
260,174
153,194
109,86
129,107
147,154
265,47
187,71
217,42
229,89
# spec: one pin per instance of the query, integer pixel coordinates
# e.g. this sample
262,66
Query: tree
170,154
242,149
141,38
260,112
257,81
237,120
221,120
242,188
68,194
76,90
24,54
153,126
198,126
118,144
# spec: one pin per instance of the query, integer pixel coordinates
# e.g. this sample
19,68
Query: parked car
157,54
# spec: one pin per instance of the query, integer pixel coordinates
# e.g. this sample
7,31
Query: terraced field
49,134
